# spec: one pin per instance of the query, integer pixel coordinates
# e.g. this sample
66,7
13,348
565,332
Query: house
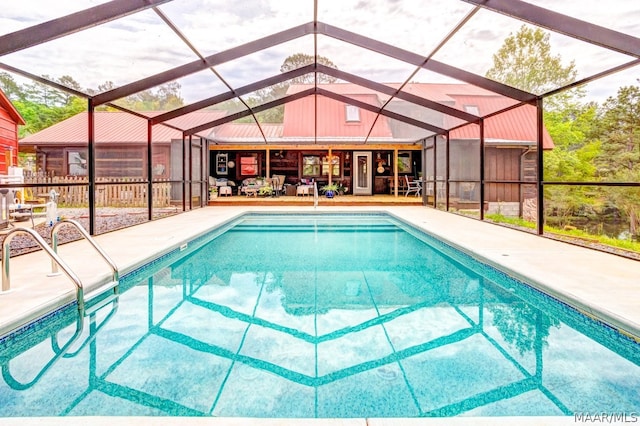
335,135
355,138
121,141
10,119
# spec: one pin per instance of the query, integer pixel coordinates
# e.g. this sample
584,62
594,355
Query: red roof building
332,127
120,140
10,119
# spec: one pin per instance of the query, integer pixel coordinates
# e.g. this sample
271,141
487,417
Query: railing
113,192
85,234
57,261
6,255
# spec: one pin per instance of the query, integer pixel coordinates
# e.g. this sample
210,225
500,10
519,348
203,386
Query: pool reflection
320,337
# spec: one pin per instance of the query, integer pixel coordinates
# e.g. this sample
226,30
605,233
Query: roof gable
6,104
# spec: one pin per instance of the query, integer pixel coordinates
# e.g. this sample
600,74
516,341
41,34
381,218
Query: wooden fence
132,193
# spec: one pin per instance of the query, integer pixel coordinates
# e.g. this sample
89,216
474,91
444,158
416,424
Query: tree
70,82
295,61
525,62
162,98
298,60
618,129
11,89
571,159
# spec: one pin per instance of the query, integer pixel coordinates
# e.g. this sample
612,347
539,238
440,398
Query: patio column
149,171
330,161
395,172
267,162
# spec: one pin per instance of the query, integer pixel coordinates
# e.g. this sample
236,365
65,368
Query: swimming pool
321,316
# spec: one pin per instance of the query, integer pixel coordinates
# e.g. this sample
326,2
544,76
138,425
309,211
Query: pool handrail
54,245
6,255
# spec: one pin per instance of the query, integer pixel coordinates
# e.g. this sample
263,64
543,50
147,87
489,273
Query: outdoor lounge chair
414,186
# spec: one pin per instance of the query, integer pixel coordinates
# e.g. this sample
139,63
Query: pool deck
602,285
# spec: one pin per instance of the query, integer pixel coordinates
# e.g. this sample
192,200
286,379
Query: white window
353,113
472,109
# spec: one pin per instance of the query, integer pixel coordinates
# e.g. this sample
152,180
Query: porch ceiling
227,53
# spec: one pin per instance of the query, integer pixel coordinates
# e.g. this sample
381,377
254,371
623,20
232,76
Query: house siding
8,141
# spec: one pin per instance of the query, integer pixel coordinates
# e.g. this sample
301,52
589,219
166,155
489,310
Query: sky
140,45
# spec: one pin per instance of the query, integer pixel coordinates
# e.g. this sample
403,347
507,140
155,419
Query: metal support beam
435,173
184,172
447,152
72,23
190,159
309,92
43,80
540,167
372,108
267,82
149,171
387,90
418,60
423,170
246,113
563,24
208,62
482,183
91,166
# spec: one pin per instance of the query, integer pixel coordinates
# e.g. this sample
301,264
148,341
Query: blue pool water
320,316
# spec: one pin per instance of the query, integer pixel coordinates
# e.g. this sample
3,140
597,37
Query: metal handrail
85,234
6,255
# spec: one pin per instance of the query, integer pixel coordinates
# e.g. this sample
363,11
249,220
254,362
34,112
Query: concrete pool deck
600,284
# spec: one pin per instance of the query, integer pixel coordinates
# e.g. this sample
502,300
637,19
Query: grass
572,233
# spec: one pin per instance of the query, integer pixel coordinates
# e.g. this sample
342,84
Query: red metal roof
117,127
332,120
517,125
245,132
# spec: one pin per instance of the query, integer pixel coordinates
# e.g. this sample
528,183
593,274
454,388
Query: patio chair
414,186
278,184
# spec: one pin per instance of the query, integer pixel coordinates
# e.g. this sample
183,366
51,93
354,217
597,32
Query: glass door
362,182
